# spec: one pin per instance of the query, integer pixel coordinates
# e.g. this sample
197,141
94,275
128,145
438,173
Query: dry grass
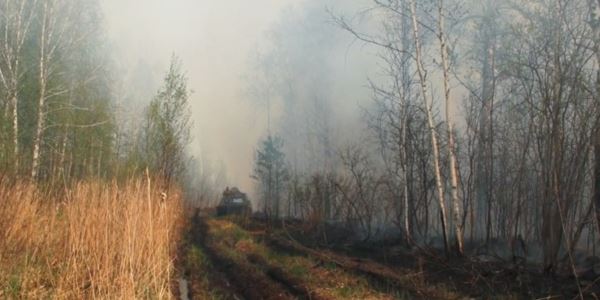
96,240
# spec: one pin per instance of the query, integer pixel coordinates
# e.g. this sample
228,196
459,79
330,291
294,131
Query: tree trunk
555,207
484,173
404,118
595,25
450,126
41,118
407,212
15,113
16,27
428,109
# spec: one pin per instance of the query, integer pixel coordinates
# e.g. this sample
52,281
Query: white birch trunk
406,201
41,117
450,126
16,28
428,109
404,116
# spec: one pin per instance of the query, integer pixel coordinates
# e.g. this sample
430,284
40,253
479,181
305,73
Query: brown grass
96,240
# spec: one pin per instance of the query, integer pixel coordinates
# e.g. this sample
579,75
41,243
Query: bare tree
594,22
428,105
484,165
551,88
456,203
362,192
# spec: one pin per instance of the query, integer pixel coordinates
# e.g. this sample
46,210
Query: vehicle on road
234,202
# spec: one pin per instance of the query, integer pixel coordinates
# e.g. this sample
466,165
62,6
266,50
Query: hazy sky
215,40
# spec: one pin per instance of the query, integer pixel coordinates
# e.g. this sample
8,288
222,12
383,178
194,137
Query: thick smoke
225,47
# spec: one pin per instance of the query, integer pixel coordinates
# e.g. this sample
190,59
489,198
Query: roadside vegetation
91,195
96,240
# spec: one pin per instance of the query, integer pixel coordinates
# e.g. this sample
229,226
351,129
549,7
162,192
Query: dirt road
224,261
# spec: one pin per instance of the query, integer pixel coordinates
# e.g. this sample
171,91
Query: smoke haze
221,45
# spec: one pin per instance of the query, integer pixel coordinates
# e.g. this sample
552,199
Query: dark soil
420,273
480,279
293,284
385,276
393,262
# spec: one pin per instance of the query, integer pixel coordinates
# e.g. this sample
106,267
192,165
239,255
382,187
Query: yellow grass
96,240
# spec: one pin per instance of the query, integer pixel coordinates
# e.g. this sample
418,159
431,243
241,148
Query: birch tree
55,89
53,38
16,20
456,203
168,125
428,106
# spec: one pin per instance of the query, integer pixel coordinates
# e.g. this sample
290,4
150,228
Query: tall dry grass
96,240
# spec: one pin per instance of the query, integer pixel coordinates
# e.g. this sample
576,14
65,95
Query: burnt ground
483,279
465,276
256,262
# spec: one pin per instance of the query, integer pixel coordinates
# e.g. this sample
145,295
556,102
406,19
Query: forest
483,130
388,149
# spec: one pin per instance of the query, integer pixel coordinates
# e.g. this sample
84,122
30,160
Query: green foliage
196,259
271,172
230,234
167,125
13,286
78,134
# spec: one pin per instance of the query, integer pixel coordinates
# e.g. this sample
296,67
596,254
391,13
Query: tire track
246,280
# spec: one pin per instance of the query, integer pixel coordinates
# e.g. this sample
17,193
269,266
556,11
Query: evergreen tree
271,173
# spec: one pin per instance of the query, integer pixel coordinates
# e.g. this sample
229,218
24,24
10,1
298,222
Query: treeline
486,128
58,113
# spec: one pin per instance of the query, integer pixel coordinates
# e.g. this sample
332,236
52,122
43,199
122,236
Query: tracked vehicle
234,202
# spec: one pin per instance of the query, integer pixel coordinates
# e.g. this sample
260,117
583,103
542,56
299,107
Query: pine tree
271,172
